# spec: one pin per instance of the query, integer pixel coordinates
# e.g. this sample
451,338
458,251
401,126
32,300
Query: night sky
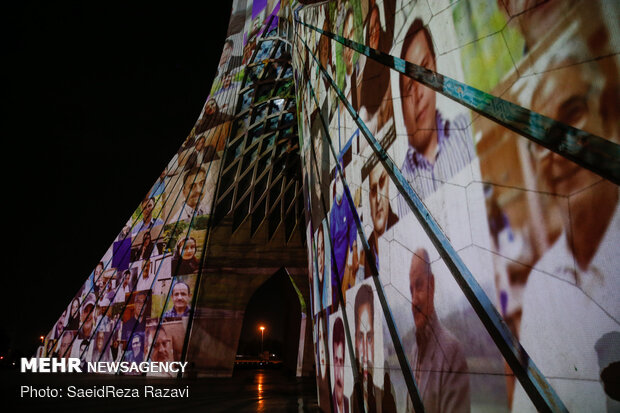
98,98
269,307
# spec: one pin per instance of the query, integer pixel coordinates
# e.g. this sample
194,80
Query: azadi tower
436,180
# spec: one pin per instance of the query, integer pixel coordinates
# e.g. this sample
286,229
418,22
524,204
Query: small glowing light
261,328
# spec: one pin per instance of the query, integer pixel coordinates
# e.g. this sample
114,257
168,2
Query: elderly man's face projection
364,336
180,297
422,287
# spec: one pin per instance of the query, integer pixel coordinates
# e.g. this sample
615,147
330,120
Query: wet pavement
247,391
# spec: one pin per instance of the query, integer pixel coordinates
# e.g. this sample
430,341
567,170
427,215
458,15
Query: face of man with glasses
136,345
568,96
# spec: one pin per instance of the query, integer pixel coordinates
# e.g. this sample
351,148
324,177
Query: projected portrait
228,61
438,362
64,349
124,287
103,315
382,216
146,248
322,373
87,317
376,109
351,60
185,260
181,297
116,347
135,352
148,221
325,58
171,342
146,274
364,333
134,320
213,122
322,287
204,152
193,187
340,401
198,186
100,352
344,241
162,351
438,147
223,89
319,167
576,266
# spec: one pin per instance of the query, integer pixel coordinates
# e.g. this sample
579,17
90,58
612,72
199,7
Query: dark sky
270,308
98,98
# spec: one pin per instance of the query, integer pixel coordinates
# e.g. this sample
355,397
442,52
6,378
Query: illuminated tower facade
437,179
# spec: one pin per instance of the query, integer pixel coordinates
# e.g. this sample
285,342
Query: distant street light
42,338
262,332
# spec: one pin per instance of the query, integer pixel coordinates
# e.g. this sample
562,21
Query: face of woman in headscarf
75,306
189,249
